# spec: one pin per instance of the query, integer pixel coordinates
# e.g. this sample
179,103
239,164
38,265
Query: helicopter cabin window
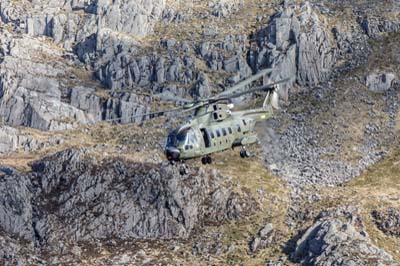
218,133
230,130
224,132
238,128
212,134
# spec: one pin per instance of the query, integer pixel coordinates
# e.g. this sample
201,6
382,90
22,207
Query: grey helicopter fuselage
214,128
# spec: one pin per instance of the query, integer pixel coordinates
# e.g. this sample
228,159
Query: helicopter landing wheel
206,160
244,153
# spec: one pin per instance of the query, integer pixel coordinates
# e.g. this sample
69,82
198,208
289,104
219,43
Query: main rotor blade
260,88
146,114
245,82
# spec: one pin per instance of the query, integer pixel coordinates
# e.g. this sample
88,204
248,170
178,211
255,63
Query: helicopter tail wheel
244,153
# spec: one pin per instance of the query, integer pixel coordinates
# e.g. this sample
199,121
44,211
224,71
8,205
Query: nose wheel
244,153
206,160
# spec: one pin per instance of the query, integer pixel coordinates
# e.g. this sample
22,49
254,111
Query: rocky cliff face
297,41
71,197
330,241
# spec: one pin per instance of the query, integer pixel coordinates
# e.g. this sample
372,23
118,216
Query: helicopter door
206,138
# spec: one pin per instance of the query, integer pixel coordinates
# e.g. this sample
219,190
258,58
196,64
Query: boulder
265,238
380,81
388,221
335,239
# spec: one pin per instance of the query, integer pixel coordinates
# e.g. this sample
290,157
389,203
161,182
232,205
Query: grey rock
13,253
31,95
380,81
15,204
135,18
330,241
296,42
266,230
59,19
12,139
203,87
170,15
266,237
223,8
255,244
72,197
388,220
375,26
46,95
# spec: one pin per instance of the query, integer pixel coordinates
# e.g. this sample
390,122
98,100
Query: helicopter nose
172,153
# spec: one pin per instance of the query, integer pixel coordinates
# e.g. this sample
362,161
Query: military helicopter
215,127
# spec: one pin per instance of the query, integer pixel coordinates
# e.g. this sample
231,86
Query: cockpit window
186,136
182,135
171,140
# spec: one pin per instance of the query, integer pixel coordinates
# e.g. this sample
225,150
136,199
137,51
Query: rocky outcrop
388,221
63,21
136,18
31,89
39,88
11,139
298,44
224,8
16,211
176,69
141,201
375,26
265,237
72,197
380,81
13,253
332,241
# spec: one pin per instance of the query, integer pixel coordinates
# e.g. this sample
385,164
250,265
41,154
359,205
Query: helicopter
216,127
